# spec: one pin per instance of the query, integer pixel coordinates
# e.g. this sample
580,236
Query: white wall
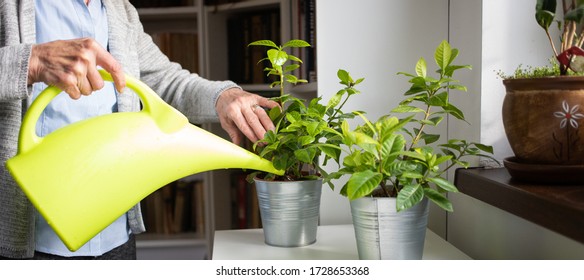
377,38
373,39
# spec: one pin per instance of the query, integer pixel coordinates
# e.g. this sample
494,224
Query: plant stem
571,34
580,39
338,109
551,42
419,134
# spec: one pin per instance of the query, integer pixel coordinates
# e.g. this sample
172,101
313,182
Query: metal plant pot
289,211
384,234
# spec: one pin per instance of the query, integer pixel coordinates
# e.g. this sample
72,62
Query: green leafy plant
304,130
397,154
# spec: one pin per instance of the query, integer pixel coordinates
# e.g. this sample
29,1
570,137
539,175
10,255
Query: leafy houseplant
396,155
304,132
550,139
396,167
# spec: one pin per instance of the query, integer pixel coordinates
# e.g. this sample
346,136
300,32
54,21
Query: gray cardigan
192,95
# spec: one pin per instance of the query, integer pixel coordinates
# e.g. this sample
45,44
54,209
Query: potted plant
305,131
542,112
395,166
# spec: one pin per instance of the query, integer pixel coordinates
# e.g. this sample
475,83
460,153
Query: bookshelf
213,29
227,30
176,215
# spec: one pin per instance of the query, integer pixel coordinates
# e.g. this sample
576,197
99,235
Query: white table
334,242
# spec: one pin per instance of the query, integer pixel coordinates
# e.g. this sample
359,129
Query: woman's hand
71,65
243,112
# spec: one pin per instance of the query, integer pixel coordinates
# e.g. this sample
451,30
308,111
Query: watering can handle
167,118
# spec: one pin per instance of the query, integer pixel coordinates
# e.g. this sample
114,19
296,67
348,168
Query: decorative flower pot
289,211
382,233
543,120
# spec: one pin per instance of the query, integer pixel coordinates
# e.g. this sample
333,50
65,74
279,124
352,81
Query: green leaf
421,67
362,183
366,142
414,155
331,151
344,77
430,138
294,58
266,43
277,57
575,15
545,12
439,199
280,162
295,43
305,140
440,99
409,196
443,54
407,109
305,155
484,148
336,99
291,78
291,67
443,184
454,111
391,145
449,71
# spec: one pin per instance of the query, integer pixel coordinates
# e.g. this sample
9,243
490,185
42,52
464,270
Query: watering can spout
114,161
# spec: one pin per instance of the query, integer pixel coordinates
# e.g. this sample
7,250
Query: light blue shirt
61,20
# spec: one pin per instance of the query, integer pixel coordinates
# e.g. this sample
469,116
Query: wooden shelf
557,207
176,19
168,13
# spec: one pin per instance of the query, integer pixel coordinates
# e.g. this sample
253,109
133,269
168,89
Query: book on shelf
175,208
304,19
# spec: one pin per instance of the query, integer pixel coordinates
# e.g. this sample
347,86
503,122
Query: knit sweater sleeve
14,69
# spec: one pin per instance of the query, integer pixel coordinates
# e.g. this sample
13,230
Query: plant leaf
277,57
443,54
439,199
266,43
409,196
421,67
362,183
295,43
443,184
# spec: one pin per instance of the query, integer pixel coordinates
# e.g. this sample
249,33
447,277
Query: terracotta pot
544,119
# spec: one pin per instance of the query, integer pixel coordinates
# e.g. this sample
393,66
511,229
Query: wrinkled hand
241,112
71,66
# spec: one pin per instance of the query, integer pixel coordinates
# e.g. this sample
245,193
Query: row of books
304,16
175,208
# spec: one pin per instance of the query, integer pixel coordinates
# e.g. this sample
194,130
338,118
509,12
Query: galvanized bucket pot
289,211
384,234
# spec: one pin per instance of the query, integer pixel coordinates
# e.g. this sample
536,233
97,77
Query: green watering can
85,175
